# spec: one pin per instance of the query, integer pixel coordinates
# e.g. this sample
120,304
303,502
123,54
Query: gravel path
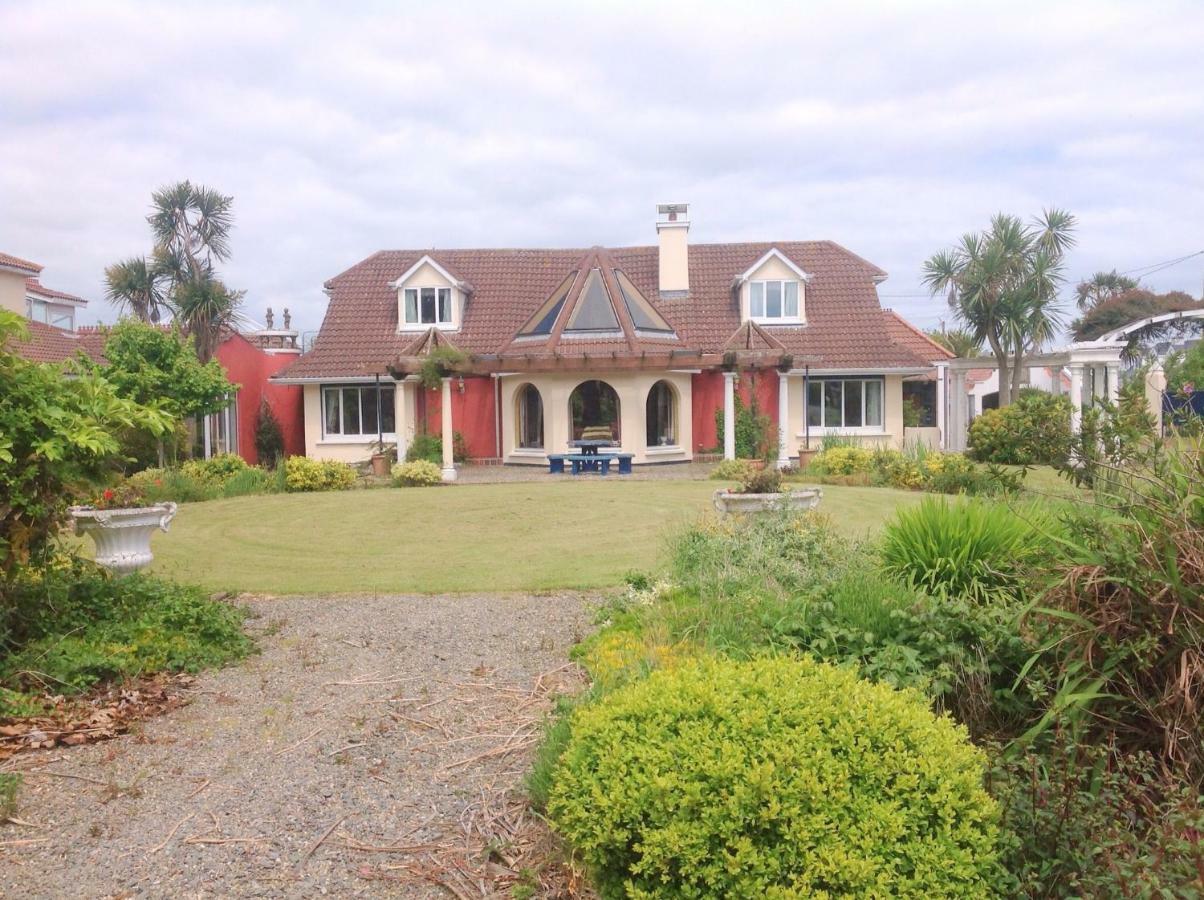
375,747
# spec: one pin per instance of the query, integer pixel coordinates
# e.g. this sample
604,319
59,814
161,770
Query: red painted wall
249,367
472,414
707,390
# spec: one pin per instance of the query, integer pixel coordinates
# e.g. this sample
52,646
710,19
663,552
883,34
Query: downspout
806,403
497,414
380,428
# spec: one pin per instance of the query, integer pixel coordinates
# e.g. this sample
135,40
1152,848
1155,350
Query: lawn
484,537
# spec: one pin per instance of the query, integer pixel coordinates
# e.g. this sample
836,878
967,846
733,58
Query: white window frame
361,437
764,318
821,429
417,325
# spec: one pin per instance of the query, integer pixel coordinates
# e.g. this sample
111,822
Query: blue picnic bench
589,462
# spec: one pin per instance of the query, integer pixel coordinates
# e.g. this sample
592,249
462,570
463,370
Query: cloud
891,128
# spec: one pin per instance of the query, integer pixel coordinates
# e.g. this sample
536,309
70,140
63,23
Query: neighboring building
51,313
651,343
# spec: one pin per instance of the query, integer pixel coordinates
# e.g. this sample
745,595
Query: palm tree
205,309
1002,285
1100,287
191,224
136,288
959,342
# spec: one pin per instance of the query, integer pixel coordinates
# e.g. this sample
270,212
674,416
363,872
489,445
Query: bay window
845,403
351,411
428,306
773,301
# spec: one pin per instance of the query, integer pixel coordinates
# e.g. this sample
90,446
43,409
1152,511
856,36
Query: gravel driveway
376,747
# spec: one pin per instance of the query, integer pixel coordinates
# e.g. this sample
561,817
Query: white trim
772,253
360,437
874,428
820,373
828,431
666,450
530,452
389,438
332,380
427,258
453,307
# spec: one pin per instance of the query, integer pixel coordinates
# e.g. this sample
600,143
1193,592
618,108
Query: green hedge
1035,430
775,777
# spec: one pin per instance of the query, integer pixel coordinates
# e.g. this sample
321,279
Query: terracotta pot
380,465
805,457
122,536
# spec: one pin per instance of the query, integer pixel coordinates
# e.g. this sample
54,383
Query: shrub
419,473
731,470
215,469
761,481
1035,430
159,485
430,448
269,438
756,434
778,777
10,787
73,624
971,549
304,474
251,480
841,460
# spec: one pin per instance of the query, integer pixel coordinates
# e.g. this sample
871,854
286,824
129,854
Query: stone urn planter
731,503
122,536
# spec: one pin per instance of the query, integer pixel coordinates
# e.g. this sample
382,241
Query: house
249,357
652,344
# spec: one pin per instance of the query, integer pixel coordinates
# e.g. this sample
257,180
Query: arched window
660,415
594,406
530,417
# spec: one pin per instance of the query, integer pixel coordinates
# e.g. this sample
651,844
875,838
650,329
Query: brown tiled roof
48,344
35,286
15,262
903,332
845,326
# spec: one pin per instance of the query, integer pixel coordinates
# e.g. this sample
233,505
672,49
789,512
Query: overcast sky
345,128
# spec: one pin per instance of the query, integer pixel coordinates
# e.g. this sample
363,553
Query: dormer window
428,306
773,301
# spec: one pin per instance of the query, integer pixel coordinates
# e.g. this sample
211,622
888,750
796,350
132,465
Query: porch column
445,420
1155,384
1097,382
1113,389
783,420
399,420
1076,397
957,411
729,415
1055,381
942,372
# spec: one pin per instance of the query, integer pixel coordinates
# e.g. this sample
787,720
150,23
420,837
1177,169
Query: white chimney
672,231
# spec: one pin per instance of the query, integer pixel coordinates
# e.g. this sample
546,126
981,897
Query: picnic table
589,459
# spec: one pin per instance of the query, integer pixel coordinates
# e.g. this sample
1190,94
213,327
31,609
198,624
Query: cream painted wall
892,416
428,276
343,451
673,256
632,388
12,292
773,269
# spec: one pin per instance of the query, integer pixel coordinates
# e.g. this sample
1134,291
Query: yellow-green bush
774,778
418,473
732,470
842,461
304,474
216,469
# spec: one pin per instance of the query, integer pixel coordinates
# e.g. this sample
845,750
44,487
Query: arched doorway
660,415
528,409
594,405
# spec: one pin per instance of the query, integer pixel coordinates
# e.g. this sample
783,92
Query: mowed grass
479,537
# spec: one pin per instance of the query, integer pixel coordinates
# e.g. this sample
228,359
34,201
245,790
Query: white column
1155,384
400,426
729,415
783,420
1097,382
1113,389
445,420
1076,397
1055,381
957,410
942,372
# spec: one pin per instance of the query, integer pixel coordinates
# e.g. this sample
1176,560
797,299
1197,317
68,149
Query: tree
269,438
1132,306
205,309
58,435
1002,285
136,287
1102,287
191,226
960,343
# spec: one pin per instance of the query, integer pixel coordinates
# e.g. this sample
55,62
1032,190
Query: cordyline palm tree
1101,287
205,309
1002,285
959,342
191,224
136,288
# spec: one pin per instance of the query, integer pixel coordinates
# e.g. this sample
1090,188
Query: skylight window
643,316
545,318
594,311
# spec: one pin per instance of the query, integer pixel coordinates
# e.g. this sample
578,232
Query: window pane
832,403
411,305
428,306
815,393
852,404
445,305
388,412
530,418
351,410
873,403
773,299
791,303
333,422
757,299
368,403
660,426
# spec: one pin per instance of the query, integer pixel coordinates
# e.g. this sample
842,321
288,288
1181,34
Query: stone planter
730,503
122,536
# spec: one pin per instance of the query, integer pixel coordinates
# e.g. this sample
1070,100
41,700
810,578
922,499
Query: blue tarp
1176,408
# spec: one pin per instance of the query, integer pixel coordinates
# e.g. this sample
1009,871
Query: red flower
108,494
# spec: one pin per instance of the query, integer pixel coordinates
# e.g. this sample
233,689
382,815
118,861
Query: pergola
1101,360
